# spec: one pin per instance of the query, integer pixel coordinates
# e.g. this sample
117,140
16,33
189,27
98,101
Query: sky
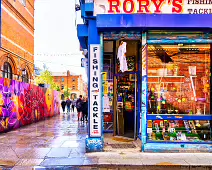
56,42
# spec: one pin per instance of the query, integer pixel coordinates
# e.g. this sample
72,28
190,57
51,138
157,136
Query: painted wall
22,104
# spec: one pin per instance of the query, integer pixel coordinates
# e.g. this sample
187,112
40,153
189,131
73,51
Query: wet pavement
59,143
56,141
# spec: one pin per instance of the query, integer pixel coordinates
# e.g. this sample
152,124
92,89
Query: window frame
25,78
7,71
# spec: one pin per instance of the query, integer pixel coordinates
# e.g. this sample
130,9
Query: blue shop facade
163,98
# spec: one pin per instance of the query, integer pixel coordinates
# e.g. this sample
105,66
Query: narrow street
40,143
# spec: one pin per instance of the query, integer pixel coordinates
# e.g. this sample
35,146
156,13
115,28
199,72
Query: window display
179,131
179,84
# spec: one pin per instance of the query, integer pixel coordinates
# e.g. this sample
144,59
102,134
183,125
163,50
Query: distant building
74,82
17,40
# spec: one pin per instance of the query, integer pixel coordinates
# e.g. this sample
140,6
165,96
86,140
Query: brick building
17,40
76,85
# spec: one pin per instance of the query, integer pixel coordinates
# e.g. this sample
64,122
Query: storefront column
94,141
210,85
144,97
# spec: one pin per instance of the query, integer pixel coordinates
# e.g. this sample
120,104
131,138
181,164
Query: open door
126,95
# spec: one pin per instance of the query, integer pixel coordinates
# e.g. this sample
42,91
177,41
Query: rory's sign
95,91
153,6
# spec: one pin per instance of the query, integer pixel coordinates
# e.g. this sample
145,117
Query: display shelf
178,117
163,79
179,142
165,82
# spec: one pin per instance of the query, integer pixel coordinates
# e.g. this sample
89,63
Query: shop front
149,75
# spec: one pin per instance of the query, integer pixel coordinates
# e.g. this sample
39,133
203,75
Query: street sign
84,62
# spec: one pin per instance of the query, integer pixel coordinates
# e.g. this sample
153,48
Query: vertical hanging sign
95,90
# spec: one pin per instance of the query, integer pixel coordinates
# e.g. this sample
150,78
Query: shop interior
121,89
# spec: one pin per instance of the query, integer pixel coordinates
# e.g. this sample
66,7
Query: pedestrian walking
85,110
72,105
79,103
63,105
68,104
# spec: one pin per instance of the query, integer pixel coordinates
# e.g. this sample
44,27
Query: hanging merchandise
122,56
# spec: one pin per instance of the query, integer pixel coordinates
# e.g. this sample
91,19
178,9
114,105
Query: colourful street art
22,104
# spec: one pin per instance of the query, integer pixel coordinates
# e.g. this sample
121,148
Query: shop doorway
126,99
121,90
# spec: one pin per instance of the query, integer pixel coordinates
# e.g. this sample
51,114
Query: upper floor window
62,79
23,2
73,88
7,71
62,87
73,79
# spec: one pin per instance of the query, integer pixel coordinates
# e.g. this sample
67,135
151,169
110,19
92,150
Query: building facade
74,82
151,63
17,40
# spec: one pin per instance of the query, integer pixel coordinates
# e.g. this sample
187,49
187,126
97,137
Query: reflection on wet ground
61,137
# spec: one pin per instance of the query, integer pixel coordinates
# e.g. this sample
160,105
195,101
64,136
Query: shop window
179,79
179,93
25,76
7,71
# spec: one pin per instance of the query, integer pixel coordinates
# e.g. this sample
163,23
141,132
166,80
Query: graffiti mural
22,104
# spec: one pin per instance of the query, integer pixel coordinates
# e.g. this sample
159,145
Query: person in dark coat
85,110
68,103
63,105
79,103
73,105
